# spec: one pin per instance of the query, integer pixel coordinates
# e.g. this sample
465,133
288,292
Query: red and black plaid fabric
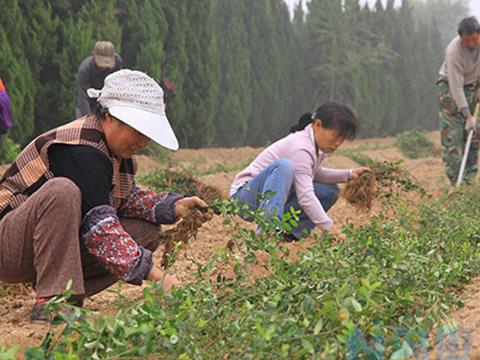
30,171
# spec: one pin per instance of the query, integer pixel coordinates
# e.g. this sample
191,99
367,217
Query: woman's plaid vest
31,170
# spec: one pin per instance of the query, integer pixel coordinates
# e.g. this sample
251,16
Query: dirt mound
210,158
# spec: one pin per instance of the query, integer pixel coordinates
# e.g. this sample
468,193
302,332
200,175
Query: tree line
244,70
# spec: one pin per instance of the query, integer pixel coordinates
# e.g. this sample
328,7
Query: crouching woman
69,206
291,171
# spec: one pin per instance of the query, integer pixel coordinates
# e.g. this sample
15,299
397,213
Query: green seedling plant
414,144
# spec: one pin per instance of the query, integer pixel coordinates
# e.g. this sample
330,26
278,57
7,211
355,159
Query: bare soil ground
17,300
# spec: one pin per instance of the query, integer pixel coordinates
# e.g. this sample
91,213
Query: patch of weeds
180,182
220,168
414,144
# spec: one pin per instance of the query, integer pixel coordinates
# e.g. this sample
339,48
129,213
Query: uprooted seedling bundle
387,179
361,191
180,234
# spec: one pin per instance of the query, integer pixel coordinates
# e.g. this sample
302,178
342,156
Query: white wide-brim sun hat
137,100
156,127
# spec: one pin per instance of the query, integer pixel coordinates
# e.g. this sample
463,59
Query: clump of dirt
180,234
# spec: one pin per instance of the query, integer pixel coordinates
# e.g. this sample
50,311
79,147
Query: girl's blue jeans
278,180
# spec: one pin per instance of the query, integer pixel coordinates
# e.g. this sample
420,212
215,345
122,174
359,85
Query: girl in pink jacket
291,170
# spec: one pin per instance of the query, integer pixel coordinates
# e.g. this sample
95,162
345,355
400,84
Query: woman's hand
168,280
185,206
359,171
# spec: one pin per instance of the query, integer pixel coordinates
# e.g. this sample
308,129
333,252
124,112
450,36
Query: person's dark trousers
327,194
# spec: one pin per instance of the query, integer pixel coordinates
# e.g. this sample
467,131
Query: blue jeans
278,178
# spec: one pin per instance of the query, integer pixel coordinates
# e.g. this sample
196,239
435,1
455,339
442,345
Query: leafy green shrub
414,144
180,182
337,301
9,151
169,180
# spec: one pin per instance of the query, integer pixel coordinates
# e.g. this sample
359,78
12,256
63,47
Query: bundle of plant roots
180,234
361,191
387,179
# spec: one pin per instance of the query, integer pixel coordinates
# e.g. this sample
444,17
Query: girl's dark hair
100,112
333,115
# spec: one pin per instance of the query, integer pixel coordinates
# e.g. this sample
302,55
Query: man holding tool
458,90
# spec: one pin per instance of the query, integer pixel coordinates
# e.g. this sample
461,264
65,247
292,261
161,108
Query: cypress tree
266,77
76,42
234,102
175,65
201,87
40,44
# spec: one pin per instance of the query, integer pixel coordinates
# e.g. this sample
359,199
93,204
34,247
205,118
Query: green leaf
307,345
356,305
318,327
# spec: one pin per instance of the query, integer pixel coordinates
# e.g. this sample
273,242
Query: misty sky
474,5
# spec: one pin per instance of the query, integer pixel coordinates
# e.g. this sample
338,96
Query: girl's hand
359,171
338,236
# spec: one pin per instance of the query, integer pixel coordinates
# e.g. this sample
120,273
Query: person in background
292,170
69,205
458,90
6,118
92,73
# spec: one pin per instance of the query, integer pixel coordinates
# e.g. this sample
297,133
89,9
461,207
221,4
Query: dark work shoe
41,313
289,238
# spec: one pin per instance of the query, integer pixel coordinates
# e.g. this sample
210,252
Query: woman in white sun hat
69,206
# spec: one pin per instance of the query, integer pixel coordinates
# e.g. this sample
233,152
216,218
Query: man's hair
468,26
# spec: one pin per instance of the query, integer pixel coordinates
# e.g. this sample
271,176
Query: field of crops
387,292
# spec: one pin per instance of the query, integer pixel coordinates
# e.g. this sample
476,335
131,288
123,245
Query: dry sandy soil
16,328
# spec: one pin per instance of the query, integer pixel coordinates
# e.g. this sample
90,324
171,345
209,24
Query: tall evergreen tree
175,66
234,102
201,87
267,62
